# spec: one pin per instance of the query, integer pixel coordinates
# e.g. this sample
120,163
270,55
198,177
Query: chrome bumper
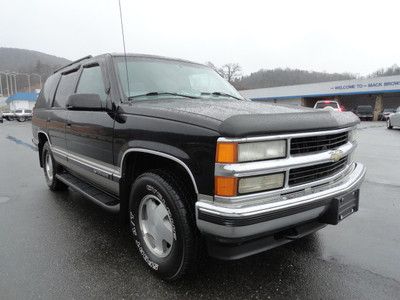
241,220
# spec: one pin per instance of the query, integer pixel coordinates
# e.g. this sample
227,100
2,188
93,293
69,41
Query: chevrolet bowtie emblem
336,155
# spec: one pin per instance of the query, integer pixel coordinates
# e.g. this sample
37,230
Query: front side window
141,76
65,88
91,82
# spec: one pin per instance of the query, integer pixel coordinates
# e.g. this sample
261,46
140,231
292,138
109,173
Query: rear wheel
388,124
50,168
162,223
21,119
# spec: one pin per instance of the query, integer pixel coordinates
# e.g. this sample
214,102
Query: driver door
89,134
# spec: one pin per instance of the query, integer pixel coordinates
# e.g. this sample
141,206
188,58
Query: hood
235,118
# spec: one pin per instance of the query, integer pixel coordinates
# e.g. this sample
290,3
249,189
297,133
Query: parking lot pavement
58,245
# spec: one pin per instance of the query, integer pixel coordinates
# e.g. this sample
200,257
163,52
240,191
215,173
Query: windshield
364,108
388,110
174,78
326,104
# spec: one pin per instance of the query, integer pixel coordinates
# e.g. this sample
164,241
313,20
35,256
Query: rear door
89,134
57,115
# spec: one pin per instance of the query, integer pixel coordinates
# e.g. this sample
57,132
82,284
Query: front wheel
162,223
388,124
21,119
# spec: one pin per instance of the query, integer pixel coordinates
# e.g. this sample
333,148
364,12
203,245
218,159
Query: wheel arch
42,139
137,153
136,161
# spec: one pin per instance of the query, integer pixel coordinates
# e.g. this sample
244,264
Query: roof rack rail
74,62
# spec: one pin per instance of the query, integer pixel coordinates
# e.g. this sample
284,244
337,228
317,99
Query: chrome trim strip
280,165
284,136
91,164
59,152
115,173
143,150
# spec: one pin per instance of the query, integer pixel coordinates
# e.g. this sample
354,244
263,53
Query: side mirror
84,102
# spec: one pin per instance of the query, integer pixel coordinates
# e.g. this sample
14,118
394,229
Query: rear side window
47,93
65,88
91,82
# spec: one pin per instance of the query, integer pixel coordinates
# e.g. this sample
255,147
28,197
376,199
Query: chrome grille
316,172
318,143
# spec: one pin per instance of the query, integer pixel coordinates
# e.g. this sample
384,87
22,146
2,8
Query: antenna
123,42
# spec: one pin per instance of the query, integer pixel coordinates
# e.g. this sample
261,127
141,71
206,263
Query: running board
97,196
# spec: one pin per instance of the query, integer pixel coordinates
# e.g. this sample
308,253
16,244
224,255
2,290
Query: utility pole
40,79
9,84
15,82
1,86
29,81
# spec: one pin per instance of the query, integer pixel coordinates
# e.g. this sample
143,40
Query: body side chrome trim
143,150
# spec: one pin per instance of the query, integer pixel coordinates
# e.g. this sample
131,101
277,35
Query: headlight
261,150
234,152
261,183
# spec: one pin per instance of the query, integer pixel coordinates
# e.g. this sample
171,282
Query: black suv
180,154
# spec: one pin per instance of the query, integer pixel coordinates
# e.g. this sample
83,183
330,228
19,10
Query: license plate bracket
341,207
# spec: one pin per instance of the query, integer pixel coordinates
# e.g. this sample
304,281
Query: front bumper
232,222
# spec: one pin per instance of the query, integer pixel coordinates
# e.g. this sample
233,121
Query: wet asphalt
59,245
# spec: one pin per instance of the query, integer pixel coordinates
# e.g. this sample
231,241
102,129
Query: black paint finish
186,129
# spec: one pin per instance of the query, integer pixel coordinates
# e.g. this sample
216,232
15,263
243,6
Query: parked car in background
365,112
328,104
383,116
1,117
23,115
394,119
9,115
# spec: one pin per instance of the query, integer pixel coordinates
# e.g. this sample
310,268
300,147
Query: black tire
21,119
388,124
183,253
52,182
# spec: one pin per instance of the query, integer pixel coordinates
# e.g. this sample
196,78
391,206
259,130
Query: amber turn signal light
227,153
225,186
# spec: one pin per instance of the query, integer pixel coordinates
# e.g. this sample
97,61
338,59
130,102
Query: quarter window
65,88
91,82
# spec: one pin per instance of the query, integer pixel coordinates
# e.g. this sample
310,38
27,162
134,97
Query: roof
32,97
87,59
377,85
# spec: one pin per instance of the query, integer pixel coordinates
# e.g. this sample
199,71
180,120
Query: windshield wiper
160,94
222,94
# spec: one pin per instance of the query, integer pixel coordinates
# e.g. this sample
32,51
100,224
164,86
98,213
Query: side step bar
97,196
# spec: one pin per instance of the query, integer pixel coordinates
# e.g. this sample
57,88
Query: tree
231,71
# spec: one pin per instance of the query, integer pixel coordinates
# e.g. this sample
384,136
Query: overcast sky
333,36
